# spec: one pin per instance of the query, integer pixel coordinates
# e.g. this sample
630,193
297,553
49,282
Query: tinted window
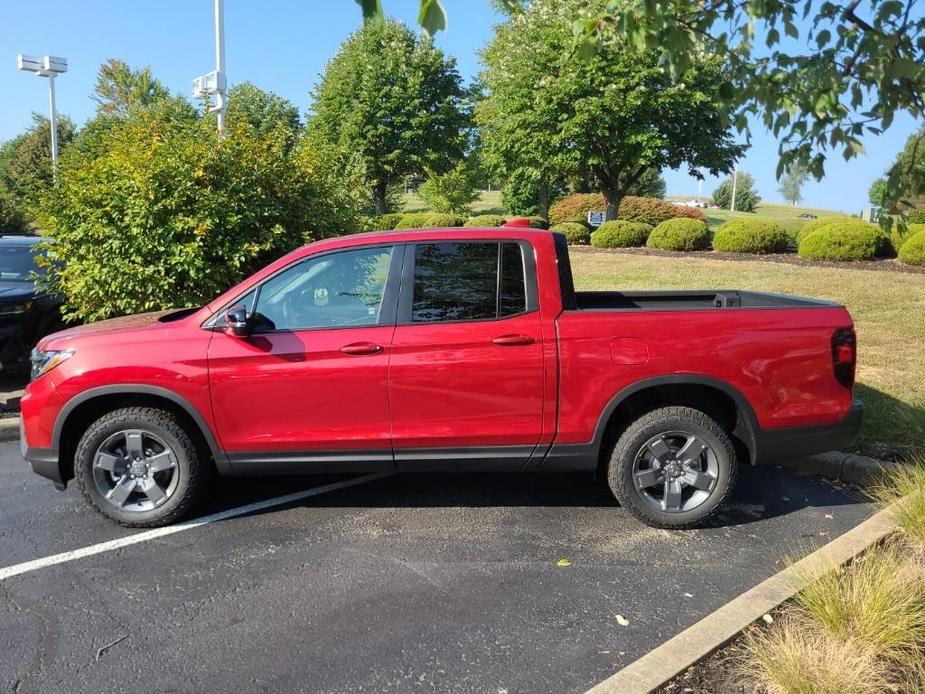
16,263
460,281
339,289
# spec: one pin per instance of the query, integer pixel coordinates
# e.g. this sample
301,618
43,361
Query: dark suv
27,313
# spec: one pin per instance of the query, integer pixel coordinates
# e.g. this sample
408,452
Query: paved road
405,584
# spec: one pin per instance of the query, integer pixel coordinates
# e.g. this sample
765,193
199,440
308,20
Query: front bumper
44,461
795,442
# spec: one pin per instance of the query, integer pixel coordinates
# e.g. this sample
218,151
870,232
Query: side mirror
236,323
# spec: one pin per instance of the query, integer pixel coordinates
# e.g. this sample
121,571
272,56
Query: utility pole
47,66
735,180
214,84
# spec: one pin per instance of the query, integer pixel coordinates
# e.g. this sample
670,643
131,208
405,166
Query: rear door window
465,281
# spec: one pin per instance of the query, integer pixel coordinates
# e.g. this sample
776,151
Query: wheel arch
83,409
719,399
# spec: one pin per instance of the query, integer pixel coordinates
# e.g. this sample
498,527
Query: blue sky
283,45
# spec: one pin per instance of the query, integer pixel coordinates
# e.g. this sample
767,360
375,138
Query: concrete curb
846,467
9,429
673,657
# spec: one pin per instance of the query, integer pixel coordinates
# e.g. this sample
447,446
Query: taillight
844,355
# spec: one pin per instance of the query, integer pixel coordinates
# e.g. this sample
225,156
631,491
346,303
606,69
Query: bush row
651,211
427,220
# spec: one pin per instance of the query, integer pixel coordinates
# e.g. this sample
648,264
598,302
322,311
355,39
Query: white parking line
100,548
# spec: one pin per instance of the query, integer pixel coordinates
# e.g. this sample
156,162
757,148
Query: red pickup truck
436,349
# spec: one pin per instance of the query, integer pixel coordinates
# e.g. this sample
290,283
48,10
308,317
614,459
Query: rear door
466,371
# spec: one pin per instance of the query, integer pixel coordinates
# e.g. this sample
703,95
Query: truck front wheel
139,467
672,468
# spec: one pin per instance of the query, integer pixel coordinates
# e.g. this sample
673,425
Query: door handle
511,340
360,348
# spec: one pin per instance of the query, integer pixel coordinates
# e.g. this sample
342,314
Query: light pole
47,66
735,180
215,83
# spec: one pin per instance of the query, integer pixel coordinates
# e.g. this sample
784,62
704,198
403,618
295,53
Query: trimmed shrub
444,219
538,222
381,222
620,234
848,240
686,212
815,224
680,235
412,220
426,220
916,217
898,239
913,250
650,211
750,236
485,220
576,233
575,208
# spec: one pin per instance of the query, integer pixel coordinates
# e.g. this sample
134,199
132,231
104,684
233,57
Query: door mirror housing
236,323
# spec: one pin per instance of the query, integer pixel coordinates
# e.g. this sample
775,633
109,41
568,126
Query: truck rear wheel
672,468
139,467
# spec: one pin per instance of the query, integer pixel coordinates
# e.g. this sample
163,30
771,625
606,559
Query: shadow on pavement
762,493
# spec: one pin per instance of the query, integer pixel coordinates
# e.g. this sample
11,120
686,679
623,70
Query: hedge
751,236
913,250
848,240
381,222
680,235
620,234
426,220
575,208
899,239
485,220
538,222
916,217
576,233
650,211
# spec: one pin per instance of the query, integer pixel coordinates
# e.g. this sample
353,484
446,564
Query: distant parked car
807,215
27,312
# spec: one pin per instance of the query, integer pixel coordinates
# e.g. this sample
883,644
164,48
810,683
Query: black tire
714,468
164,427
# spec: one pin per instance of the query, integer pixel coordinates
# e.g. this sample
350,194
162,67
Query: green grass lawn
489,202
788,216
888,309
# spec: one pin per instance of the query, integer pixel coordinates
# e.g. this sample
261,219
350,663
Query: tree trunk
613,197
543,201
379,197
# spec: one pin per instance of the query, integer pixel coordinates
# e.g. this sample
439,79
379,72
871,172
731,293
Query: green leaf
432,16
372,12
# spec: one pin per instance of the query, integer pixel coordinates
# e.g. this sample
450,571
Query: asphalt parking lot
403,584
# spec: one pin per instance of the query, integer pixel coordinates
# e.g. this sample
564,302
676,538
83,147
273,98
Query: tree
824,86
264,111
902,188
25,163
453,191
747,197
119,88
161,214
395,99
877,193
792,182
615,115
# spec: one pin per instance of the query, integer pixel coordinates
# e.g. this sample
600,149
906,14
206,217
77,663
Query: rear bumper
795,442
44,461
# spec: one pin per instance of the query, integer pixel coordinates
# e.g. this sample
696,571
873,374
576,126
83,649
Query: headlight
44,361
14,309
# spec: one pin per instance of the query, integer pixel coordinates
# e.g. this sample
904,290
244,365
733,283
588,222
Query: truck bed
687,300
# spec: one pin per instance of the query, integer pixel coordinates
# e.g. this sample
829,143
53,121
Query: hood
16,291
139,321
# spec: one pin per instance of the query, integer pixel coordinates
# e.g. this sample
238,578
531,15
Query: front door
466,374
309,385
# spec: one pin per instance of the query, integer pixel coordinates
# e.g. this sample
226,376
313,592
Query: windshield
16,263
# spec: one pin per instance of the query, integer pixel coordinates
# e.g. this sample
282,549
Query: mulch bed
887,264
715,674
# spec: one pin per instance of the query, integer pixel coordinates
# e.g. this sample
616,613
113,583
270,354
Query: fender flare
139,389
747,432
